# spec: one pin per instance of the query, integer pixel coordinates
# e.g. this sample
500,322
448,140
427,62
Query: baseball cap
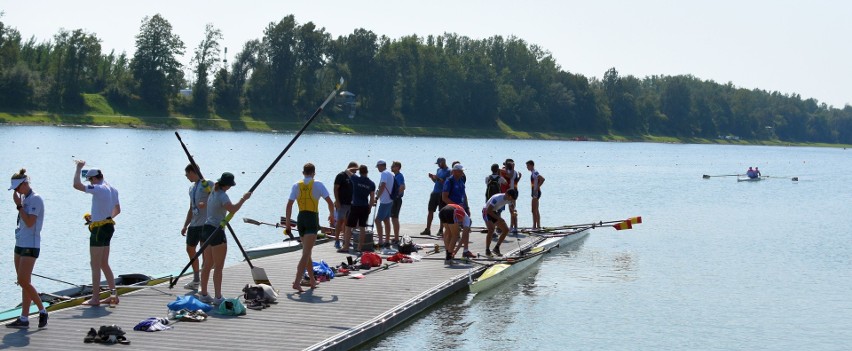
88,173
440,160
381,162
458,167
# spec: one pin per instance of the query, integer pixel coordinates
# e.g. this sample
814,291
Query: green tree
204,61
155,65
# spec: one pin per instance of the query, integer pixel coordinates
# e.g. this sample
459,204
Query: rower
750,173
491,216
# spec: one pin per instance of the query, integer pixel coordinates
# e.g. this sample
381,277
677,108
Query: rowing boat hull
749,179
555,240
501,272
279,248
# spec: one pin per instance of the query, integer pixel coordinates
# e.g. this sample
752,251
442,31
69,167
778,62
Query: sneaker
18,323
514,231
205,298
217,301
441,232
42,319
468,254
337,244
426,231
343,250
497,251
193,285
395,243
488,253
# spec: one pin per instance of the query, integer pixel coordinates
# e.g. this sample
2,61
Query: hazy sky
780,45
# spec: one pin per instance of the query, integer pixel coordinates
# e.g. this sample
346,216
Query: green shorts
307,223
27,251
193,235
101,236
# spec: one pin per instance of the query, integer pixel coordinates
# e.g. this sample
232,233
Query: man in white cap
105,207
383,195
454,194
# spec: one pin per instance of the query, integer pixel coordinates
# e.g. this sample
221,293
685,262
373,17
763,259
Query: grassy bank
102,116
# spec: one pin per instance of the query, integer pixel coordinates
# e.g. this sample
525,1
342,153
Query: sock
42,311
24,318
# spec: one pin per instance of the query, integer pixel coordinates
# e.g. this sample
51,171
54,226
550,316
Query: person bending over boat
105,207
751,173
307,192
491,215
452,217
363,194
213,257
196,215
536,180
30,208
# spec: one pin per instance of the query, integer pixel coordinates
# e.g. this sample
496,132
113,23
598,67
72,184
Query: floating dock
339,315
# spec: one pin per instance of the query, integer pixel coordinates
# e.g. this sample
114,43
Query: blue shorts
384,211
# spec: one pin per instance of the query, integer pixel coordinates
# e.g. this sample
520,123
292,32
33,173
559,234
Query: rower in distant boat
751,173
756,172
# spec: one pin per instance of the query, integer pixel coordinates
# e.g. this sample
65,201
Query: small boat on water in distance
746,179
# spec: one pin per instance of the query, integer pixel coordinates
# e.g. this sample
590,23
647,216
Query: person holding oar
30,208
105,207
196,215
307,192
213,257
491,215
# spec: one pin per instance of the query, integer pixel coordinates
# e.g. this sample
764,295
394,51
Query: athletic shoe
193,285
18,323
441,232
514,231
217,301
497,251
468,254
337,244
42,319
426,231
488,253
343,250
205,298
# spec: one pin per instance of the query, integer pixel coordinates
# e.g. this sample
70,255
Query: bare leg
206,266
24,267
503,231
190,251
387,226
490,227
96,255
347,238
395,223
429,220
307,249
218,253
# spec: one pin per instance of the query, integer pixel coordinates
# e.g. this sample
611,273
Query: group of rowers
354,194
753,172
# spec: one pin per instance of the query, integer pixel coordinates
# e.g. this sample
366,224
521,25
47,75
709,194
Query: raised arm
78,184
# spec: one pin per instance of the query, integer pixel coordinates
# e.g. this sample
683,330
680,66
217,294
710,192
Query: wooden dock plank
340,314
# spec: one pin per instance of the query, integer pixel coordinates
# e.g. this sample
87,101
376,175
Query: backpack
231,307
493,186
259,292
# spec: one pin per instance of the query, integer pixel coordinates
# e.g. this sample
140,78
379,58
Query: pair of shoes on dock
23,324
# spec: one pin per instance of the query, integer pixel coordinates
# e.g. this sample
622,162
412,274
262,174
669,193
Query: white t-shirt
497,202
104,200
387,179
30,237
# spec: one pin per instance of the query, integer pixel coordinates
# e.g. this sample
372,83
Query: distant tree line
447,80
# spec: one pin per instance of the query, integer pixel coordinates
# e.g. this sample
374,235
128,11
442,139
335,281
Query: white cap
381,162
16,183
88,173
458,167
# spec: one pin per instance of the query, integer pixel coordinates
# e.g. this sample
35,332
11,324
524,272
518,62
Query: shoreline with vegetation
326,125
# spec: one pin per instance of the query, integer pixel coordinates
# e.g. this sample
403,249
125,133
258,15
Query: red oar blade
623,225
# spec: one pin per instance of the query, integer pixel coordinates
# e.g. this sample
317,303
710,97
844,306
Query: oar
257,273
256,222
722,175
795,179
262,177
632,220
60,281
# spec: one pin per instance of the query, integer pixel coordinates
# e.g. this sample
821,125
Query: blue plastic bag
188,302
322,269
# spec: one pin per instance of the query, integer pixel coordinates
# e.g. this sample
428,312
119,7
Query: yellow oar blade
635,220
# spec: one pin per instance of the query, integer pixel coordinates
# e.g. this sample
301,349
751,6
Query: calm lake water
717,265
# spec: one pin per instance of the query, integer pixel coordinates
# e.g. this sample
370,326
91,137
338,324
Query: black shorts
446,215
101,236
397,205
307,223
193,235
536,194
358,216
216,237
435,202
27,251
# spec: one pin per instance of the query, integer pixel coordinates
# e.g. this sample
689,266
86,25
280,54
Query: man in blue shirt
435,203
454,193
